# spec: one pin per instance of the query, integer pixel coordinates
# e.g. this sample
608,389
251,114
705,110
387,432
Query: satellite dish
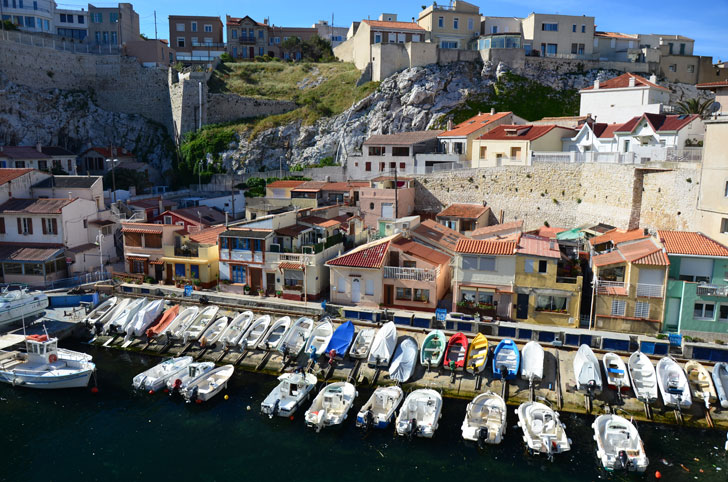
714,107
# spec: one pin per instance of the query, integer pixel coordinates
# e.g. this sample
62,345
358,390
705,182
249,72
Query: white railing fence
412,274
649,290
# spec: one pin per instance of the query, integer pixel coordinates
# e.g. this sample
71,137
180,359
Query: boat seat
537,425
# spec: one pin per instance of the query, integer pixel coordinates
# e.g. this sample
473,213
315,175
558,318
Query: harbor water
119,434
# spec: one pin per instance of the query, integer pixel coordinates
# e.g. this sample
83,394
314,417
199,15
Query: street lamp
113,163
100,241
199,173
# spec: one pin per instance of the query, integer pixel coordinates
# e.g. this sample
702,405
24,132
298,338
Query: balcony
649,291
567,280
297,258
705,289
186,251
411,274
605,287
247,40
211,45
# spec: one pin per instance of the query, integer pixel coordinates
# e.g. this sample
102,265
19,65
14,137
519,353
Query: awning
287,265
138,257
168,259
145,230
157,261
544,291
23,254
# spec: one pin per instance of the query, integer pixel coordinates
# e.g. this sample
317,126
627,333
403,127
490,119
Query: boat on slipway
101,323
236,329
117,324
383,346
619,446
699,380
456,352
485,419
198,326
290,393
673,384
506,360
275,334
144,318
180,323
587,372
404,361
167,318
433,349
296,337
643,377
100,311
331,405
320,338
477,358
213,333
340,341
532,366
362,344
255,333
378,411
616,372
720,380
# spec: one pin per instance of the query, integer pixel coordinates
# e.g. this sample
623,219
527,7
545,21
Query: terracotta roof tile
659,122
617,236
547,231
520,132
538,246
657,258
605,131
713,85
691,243
463,210
285,184
498,230
35,206
293,230
606,259
616,35
140,228
486,246
367,256
643,251
28,252
473,124
7,175
208,236
402,138
421,251
622,82
394,25
289,265
437,234
106,152
309,186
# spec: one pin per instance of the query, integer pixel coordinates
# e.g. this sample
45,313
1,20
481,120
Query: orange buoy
658,475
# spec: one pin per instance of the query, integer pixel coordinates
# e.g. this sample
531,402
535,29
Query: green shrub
226,57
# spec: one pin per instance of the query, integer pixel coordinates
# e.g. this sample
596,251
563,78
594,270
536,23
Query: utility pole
232,191
396,203
100,238
155,26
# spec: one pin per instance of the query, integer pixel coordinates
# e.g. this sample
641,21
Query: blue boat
341,340
506,360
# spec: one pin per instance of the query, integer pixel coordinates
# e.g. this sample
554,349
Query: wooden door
256,275
270,283
388,292
169,273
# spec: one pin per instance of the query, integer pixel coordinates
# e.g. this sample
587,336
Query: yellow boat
700,383
477,354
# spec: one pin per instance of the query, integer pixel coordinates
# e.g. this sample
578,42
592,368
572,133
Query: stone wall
231,107
670,199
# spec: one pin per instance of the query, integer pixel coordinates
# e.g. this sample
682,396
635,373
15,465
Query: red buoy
94,390
151,392
658,475
198,401
166,390
291,417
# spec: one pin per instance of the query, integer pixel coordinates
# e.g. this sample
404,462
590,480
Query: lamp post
199,173
99,241
113,163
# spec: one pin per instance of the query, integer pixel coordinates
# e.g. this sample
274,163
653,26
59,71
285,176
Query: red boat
167,317
457,351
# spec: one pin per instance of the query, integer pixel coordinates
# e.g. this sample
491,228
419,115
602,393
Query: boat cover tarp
342,338
405,360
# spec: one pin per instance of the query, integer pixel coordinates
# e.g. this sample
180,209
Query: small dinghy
506,360
383,345
178,381
180,323
616,372
673,384
295,339
642,375
156,377
420,414
433,349
619,446
340,341
117,325
102,324
290,393
144,318
477,354
275,334
213,333
699,381
194,330
456,352
586,371
720,380
320,338
331,405
532,369
543,432
255,333
236,329
362,343
404,361
379,410
167,318
207,385
100,311
485,419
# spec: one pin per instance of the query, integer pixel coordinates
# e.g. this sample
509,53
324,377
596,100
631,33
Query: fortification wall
231,107
670,199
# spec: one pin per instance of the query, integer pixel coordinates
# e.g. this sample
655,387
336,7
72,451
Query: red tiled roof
293,230
310,186
157,261
345,186
615,35
538,246
207,236
200,215
437,234
547,231
520,132
7,175
617,236
421,251
713,85
622,82
473,124
236,21
312,220
463,210
486,246
143,228
106,152
288,265
659,122
35,206
642,251
605,131
606,259
367,256
691,243
657,258
285,184
393,25
28,251
498,229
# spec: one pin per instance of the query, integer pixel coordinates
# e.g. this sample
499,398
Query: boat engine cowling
482,436
623,459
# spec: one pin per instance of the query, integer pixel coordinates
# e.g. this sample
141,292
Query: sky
705,24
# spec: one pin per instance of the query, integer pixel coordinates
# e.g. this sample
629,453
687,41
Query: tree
695,106
291,45
8,25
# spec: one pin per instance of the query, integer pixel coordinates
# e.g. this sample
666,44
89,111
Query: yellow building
194,256
511,145
459,139
451,26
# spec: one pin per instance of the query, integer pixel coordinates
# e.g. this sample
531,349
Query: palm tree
695,106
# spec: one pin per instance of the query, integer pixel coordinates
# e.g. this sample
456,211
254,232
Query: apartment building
386,198
246,38
452,26
464,217
113,25
71,24
565,36
385,153
144,248
513,144
151,52
195,36
622,97
31,15
278,35
617,47
43,158
193,257
18,182
458,140
327,31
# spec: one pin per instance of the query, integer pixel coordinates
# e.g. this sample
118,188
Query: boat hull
75,380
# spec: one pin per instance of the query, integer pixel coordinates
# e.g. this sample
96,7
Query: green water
118,434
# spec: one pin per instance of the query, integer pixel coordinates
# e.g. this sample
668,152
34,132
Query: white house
623,97
43,158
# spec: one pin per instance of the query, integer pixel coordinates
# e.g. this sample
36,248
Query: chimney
39,147
449,124
653,78
69,195
631,81
265,21
596,84
492,111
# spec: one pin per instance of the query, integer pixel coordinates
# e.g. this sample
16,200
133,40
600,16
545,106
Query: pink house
383,198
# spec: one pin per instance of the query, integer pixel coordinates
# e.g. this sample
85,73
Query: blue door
195,271
238,274
179,270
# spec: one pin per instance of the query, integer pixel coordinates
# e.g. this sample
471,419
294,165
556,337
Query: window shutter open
43,225
20,226
54,222
30,225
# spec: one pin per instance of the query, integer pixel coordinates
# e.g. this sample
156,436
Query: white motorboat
532,362
295,339
383,345
194,330
144,318
699,381
21,304
290,393
180,323
720,380
179,380
213,333
236,329
420,414
117,325
275,334
156,377
207,385
331,405
543,432
615,371
103,321
586,371
320,338
378,411
100,311
642,375
673,384
404,361
485,419
255,333
619,446
45,366
362,343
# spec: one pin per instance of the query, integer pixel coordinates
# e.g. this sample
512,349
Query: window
703,311
691,69
168,220
470,262
293,278
682,49
369,289
371,206
25,226
195,41
376,151
367,166
238,274
723,312
97,18
448,44
470,24
181,27
404,294
551,303
401,38
137,266
97,37
696,269
484,150
485,297
673,67
415,37
152,240
195,271
208,29
81,19
543,266
113,17
551,49
12,268
20,164
574,47
581,49
516,153
260,34
573,28
377,38
234,33
583,29
50,225
392,38
724,226
618,307
133,239
400,151
422,295
455,23
642,309
487,263
441,22
626,145
494,29
42,165
670,46
341,286
113,38
550,27
63,17
180,42
193,27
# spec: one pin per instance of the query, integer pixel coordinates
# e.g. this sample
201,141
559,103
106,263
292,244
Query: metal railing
711,290
77,280
640,155
44,41
566,279
411,274
208,44
604,285
649,290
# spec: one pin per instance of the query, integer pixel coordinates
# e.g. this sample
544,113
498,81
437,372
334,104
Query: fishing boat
117,325
532,368
673,384
179,380
383,345
211,336
720,380
587,372
102,322
194,330
477,354
144,318
362,344
156,377
543,432
619,446
404,361
295,339
17,305
433,349
420,414
616,372
101,311
275,333
320,338
255,333
506,360
340,341
166,319
207,385
45,366
331,405
378,411
699,381
456,351
180,323
485,419
236,329
642,375
290,393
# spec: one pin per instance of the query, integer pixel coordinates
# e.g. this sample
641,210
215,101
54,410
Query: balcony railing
186,252
705,289
566,279
604,286
640,155
411,274
247,40
649,290
208,44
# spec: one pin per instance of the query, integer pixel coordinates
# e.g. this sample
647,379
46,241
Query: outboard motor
590,387
368,420
176,387
276,408
332,356
482,437
503,371
623,459
313,355
193,395
413,428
